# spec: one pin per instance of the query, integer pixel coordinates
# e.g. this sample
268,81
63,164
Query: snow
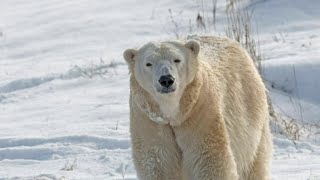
64,84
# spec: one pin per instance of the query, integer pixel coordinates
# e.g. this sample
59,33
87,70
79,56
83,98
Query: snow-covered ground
64,85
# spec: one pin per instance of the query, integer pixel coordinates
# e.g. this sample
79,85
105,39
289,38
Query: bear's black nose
166,80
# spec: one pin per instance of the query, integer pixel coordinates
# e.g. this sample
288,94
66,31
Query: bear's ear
194,46
129,54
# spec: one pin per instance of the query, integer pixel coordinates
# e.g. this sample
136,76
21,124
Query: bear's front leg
206,151
155,153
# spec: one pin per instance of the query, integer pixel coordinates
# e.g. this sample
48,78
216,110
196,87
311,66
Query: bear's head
164,69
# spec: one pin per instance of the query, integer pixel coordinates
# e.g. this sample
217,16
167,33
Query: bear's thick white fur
219,126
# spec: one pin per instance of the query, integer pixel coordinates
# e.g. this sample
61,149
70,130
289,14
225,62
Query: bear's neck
189,98
152,109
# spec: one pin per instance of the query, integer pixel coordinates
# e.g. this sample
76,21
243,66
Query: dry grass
239,28
175,23
70,166
100,69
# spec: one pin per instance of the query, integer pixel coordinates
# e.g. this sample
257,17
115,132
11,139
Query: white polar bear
198,110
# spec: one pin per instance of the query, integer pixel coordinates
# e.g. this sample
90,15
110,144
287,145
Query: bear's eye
148,64
177,60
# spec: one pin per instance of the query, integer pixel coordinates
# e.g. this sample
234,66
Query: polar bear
198,111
